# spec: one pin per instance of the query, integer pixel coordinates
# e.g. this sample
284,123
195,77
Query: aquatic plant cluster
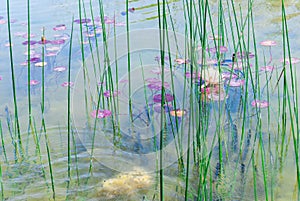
197,106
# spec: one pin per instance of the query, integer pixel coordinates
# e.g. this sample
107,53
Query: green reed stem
285,91
2,143
34,131
261,144
97,47
69,102
43,74
96,39
293,113
38,150
91,48
128,58
117,109
145,92
16,114
11,133
76,156
105,53
32,125
49,157
178,144
85,75
254,170
29,66
191,41
162,123
100,93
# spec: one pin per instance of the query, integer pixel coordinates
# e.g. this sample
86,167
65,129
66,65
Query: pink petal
228,75
267,68
51,54
268,43
67,84
294,60
182,61
34,82
260,103
60,27
108,93
41,64
236,83
158,97
99,114
60,68
3,21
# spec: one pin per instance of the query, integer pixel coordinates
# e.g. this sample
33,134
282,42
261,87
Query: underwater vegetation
126,185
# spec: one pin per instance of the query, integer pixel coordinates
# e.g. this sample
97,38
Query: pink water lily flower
158,97
244,55
221,49
267,68
190,75
2,21
40,64
181,61
228,75
158,70
155,84
108,93
30,36
31,52
53,48
51,54
99,114
108,20
294,60
60,27
34,82
67,84
8,44
166,107
24,63
60,68
236,82
82,21
19,34
57,42
260,103
268,43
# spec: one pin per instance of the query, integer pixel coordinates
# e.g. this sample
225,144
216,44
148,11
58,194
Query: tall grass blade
69,121
13,80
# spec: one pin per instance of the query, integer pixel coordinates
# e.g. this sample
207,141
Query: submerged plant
126,185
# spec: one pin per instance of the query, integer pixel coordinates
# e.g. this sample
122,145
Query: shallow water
29,178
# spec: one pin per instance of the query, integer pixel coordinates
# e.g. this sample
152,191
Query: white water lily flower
211,76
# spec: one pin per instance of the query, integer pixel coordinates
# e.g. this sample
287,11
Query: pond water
124,141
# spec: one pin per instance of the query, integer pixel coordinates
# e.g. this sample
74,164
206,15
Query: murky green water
124,165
